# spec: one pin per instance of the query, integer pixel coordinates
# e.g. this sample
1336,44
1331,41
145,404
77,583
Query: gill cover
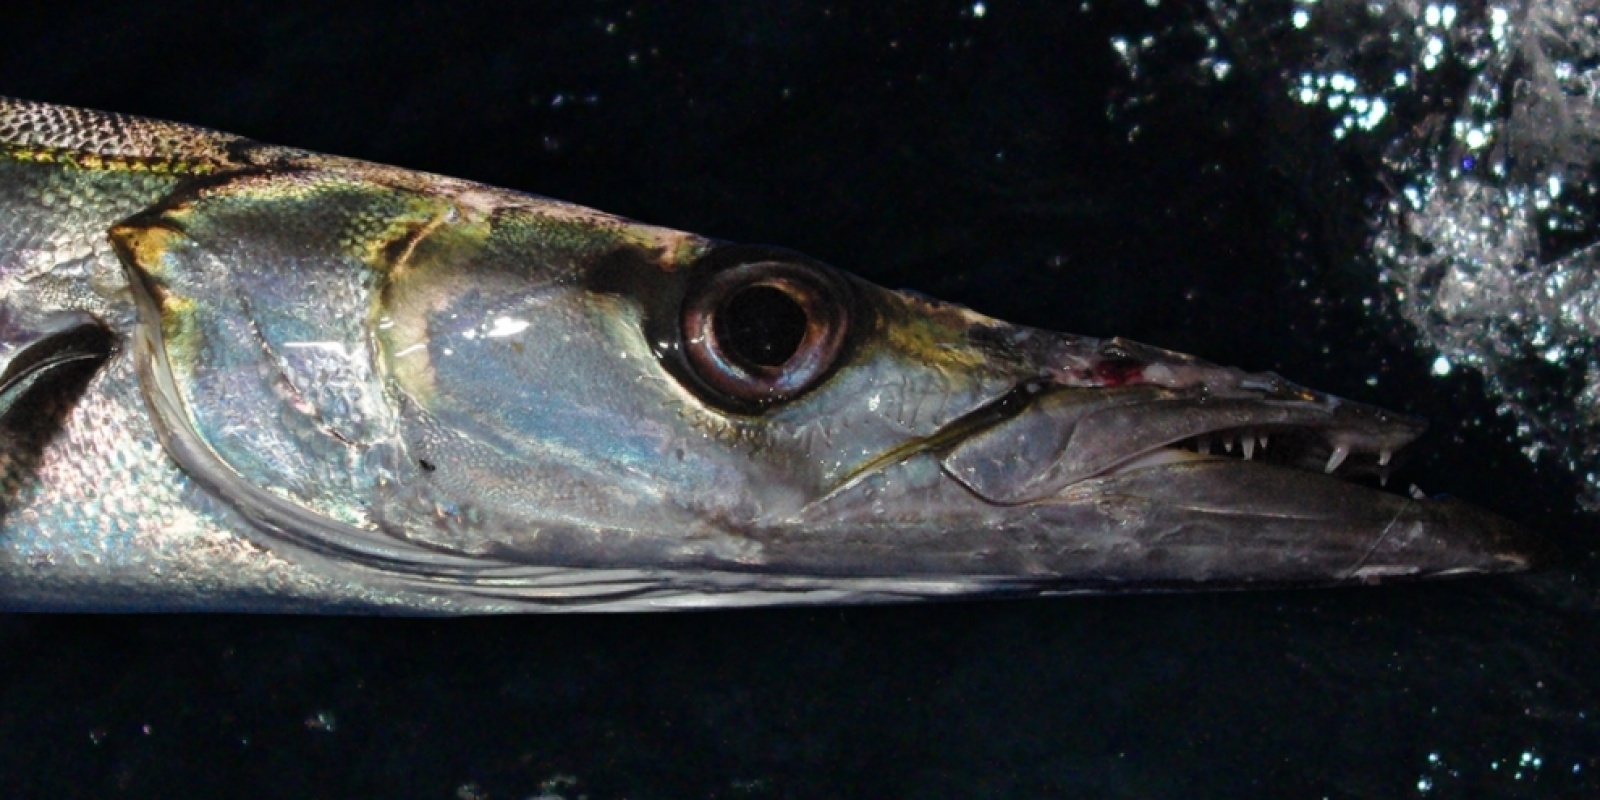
286,350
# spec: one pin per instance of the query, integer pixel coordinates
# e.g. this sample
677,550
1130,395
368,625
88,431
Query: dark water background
1003,159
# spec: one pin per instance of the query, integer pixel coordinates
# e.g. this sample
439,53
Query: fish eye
764,332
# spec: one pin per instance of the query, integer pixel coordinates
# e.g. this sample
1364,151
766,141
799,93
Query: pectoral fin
38,346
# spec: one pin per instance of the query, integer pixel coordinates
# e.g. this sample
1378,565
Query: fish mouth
1137,469
1125,407
1063,436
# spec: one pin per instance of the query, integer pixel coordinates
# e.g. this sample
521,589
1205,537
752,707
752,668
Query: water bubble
323,721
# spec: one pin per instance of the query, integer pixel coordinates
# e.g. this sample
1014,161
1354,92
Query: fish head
750,408
513,382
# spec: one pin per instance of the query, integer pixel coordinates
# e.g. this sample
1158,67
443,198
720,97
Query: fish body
235,376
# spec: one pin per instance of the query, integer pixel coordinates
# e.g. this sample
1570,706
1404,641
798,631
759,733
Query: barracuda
235,376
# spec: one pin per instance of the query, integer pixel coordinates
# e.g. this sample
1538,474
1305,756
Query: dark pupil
761,325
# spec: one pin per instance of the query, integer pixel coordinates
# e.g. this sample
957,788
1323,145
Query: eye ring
796,314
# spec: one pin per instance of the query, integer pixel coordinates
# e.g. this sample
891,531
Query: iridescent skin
338,386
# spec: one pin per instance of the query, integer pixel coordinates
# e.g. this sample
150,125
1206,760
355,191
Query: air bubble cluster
1482,122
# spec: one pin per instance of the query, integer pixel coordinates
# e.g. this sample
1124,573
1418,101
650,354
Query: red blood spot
1119,371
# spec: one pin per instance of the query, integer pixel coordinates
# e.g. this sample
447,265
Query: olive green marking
145,247
672,249
411,253
98,162
932,333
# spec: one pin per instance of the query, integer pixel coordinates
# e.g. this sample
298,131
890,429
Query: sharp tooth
1417,493
1248,443
1263,441
1383,458
1227,443
1336,459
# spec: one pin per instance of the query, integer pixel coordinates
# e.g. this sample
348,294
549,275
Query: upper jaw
1110,406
